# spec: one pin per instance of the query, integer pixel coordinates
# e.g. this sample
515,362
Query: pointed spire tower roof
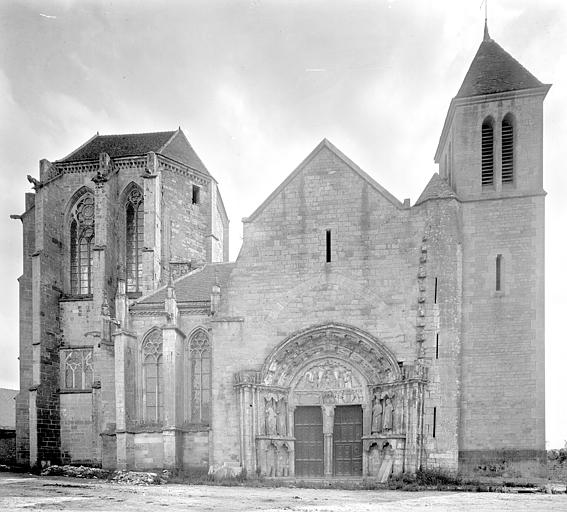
494,70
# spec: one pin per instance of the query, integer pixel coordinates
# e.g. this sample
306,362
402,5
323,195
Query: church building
354,335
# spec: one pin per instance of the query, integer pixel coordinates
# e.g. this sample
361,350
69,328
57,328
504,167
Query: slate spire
494,70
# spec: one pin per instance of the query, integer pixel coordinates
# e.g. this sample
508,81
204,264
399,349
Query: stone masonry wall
442,333
503,334
282,283
186,225
77,441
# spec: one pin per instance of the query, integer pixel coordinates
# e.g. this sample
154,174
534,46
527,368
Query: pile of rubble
140,477
122,477
76,471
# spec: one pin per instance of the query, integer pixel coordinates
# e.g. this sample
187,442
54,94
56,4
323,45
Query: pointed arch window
134,239
82,231
152,374
199,377
507,150
487,174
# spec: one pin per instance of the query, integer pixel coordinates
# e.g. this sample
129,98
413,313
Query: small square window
196,195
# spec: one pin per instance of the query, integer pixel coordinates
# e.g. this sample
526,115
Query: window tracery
152,366
134,239
82,231
77,368
199,362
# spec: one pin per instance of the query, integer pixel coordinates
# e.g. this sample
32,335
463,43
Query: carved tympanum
374,361
328,375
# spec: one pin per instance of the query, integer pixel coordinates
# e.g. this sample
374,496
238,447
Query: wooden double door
310,445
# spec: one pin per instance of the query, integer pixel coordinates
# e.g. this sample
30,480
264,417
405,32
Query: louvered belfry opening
487,176
507,150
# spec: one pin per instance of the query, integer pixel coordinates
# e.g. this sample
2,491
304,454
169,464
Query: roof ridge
135,133
173,135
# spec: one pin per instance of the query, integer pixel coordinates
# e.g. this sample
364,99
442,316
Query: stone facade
355,335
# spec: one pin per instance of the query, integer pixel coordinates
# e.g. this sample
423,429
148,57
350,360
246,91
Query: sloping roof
172,144
322,145
437,188
193,287
494,70
8,408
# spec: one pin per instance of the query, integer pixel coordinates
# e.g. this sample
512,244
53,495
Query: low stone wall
7,446
557,471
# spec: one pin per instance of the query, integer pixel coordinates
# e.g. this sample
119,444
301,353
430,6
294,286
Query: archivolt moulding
337,341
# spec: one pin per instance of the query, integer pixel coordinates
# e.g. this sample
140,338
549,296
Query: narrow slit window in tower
499,272
328,245
435,293
434,421
437,346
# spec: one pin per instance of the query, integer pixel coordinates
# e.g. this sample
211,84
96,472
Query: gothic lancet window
507,150
487,148
82,230
134,240
199,359
152,372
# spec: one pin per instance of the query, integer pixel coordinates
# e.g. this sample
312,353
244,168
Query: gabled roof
324,144
171,144
494,70
437,188
193,287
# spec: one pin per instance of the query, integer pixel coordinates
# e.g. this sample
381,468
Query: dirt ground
23,492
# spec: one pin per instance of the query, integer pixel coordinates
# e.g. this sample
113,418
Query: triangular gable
437,188
324,144
178,148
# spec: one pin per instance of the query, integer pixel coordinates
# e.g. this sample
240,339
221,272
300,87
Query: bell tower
492,140
491,154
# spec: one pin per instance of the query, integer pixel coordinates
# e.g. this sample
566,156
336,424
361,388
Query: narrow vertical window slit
435,293
434,421
499,272
328,245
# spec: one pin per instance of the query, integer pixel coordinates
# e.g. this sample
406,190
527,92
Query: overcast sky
255,85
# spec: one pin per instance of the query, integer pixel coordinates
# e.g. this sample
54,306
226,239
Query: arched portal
329,393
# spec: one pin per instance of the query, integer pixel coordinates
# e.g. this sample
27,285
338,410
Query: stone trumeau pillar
152,224
173,383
